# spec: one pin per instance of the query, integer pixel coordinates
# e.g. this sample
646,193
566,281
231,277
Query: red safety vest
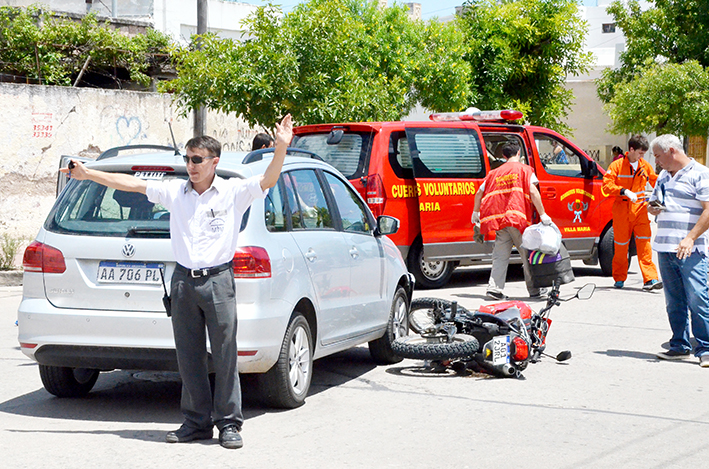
506,201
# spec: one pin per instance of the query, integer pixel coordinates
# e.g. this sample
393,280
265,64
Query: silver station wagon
314,271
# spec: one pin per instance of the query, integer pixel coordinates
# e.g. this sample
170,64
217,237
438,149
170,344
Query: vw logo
128,250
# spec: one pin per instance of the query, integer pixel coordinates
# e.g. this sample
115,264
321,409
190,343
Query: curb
10,278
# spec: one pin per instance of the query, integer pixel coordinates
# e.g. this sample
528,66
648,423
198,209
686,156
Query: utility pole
200,113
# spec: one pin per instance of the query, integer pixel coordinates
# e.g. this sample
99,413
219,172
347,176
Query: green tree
327,61
52,49
521,53
669,98
672,31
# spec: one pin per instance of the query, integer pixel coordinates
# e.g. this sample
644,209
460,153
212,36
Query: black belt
206,272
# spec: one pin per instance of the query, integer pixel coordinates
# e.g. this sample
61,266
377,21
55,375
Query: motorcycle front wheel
422,348
421,316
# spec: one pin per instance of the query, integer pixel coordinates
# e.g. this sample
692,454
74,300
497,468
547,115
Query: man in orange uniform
626,180
503,204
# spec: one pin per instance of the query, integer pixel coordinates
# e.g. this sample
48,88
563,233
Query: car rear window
350,156
86,208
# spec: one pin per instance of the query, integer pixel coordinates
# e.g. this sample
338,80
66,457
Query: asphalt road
612,405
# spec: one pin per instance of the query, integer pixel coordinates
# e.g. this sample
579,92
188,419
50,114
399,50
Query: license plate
129,272
500,350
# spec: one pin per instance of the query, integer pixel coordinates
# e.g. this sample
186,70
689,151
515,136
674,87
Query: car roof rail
111,152
257,155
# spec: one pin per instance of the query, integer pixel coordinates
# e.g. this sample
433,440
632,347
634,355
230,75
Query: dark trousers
211,302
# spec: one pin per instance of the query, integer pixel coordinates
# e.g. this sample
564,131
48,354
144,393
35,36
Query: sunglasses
196,159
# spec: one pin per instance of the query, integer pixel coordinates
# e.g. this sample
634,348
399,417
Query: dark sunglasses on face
196,159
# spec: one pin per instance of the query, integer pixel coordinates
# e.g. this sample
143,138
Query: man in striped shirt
681,202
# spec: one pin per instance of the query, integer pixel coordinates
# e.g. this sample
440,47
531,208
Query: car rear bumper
135,340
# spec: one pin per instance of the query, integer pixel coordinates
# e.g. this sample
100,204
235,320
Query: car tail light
521,349
251,262
376,196
42,258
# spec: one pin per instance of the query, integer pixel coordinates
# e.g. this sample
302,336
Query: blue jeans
685,282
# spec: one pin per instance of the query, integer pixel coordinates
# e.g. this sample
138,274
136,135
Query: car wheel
397,326
429,274
68,382
286,384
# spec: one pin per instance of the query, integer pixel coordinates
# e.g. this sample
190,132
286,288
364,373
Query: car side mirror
386,225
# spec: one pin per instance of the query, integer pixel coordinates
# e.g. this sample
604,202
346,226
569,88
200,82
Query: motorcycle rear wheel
421,348
421,312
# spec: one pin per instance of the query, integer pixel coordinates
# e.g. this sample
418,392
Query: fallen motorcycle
499,338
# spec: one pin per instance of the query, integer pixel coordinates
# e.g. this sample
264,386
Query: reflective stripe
622,244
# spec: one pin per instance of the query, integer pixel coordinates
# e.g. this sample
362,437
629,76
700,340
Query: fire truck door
448,167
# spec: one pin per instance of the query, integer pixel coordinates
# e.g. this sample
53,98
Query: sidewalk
10,278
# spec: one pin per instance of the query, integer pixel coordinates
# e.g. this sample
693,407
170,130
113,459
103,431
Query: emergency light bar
474,114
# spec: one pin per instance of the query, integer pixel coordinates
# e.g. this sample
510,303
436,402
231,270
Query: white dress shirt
204,228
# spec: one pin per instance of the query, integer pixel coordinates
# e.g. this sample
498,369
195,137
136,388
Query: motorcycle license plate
129,272
501,350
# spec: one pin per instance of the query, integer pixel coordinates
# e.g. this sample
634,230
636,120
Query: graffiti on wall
236,137
129,129
42,126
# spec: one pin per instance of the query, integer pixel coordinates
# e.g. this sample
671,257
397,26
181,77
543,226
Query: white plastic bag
544,238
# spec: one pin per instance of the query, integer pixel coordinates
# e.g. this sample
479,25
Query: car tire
418,347
287,383
68,382
428,274
397,326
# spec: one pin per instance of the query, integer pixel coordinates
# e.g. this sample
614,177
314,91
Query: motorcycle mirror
563,356
586,291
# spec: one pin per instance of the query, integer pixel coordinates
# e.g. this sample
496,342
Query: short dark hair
206,142
261,140
618,150
638,142
510,149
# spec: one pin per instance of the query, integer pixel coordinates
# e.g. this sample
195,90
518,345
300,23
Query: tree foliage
521,53
326,61
668,98
665,57
52,49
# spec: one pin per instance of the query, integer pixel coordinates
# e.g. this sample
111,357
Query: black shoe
229,437
495,295
672,355
185,434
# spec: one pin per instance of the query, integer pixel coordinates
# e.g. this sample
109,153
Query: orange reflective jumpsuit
630,218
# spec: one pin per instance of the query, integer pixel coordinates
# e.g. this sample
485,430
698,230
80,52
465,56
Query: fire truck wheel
605,253
606,250
429,274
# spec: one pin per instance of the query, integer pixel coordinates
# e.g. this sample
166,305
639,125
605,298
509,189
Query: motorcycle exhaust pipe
508,369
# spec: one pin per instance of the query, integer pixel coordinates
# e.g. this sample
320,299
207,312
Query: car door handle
354,252
548,193
310,255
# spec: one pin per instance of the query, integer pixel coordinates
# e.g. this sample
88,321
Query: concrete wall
590,123
40,123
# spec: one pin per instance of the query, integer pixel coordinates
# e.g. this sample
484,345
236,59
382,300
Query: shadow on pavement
154,396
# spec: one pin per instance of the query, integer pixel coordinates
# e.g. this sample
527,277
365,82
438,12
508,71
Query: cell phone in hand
657,204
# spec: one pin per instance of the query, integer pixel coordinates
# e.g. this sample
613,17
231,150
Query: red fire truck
426,174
